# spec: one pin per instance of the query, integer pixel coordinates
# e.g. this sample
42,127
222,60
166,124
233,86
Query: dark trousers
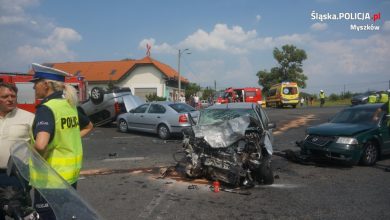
42,206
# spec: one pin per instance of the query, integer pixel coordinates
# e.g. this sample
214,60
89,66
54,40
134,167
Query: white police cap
44,72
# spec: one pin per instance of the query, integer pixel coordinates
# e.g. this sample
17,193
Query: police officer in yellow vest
57,131
383,97
372,98
322,98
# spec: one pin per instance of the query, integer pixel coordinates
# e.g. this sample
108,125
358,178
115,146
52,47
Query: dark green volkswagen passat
356,134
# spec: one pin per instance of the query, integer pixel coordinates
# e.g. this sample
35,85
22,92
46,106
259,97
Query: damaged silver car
231,143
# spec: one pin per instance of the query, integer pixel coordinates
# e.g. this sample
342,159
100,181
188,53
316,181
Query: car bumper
179,129
286,102
340,152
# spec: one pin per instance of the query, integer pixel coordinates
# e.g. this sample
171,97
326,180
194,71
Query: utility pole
178,66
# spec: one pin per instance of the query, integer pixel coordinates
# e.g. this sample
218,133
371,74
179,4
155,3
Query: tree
191,89
154,97
290,69
207,93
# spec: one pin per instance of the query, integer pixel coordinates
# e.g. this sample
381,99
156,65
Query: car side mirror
271,125
131,111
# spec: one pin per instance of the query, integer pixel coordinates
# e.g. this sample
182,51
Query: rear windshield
181,108
290,90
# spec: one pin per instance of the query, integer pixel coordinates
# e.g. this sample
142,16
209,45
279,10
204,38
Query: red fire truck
26,93
247,94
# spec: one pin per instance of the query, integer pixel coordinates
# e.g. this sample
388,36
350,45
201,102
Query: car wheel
97,95
163,132
264,173
122,126
370,154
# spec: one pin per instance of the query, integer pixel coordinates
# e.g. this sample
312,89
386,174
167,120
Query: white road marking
146,213
124,159
287,186
123,137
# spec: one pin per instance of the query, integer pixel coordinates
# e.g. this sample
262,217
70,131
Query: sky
347,42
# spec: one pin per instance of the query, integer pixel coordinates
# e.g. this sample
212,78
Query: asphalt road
121,180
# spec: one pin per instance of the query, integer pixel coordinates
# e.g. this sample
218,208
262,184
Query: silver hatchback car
162,117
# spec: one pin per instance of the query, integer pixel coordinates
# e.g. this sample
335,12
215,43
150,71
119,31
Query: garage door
142,92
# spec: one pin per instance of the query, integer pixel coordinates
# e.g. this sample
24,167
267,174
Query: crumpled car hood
223,134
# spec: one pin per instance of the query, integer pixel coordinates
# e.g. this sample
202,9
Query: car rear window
181,108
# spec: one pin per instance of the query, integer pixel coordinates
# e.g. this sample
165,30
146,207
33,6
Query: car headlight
346,140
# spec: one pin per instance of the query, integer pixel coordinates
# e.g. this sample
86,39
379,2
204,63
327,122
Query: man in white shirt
15,125
182,99
196,101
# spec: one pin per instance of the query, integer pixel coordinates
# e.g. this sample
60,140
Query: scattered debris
193,187
112,154
166,171
246,193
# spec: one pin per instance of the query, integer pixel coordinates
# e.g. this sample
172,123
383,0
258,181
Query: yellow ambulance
283,94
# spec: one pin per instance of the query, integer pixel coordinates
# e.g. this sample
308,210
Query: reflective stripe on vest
64,152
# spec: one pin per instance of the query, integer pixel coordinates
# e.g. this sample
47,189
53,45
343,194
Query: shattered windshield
358,116
211,116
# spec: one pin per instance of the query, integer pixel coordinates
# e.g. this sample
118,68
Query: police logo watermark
350,16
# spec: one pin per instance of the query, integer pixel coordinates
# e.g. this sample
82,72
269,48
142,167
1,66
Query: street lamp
185,51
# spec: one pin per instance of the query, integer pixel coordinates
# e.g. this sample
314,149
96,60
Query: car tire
264,172
97,95
370,154
122,125
163,132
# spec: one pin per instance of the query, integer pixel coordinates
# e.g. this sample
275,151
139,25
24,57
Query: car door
136,117
154,116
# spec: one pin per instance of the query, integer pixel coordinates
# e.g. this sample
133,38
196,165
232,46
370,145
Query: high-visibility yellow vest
322,95
383,98
372,99
64,153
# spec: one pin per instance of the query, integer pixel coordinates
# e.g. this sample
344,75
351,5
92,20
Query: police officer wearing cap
57,131
322,98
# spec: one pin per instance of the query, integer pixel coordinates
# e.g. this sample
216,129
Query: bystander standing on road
57,130
322,98
15,124
196,101
301,101
182,99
